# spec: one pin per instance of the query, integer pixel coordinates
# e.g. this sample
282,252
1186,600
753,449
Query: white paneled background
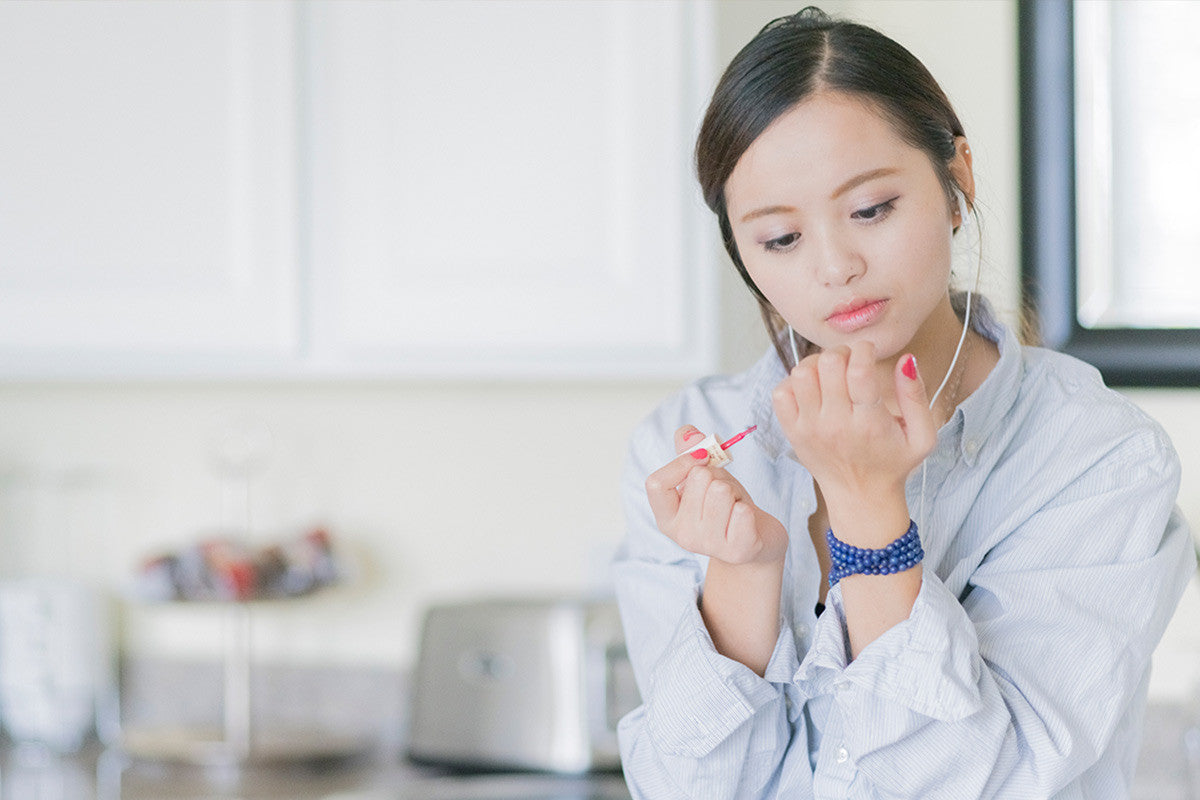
147,213
332,189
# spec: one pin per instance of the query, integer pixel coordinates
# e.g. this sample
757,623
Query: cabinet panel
324,189
504,188
147,187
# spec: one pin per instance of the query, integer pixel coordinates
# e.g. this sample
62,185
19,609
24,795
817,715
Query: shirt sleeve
1019,686
709,726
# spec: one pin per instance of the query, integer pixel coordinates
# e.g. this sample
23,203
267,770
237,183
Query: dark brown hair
791,59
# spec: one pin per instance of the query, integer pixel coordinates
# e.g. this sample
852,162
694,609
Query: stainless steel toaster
521,683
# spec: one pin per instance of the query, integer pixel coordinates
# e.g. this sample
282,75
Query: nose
839,261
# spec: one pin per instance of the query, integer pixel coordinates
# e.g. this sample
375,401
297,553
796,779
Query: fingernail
700,454
910,368
692,434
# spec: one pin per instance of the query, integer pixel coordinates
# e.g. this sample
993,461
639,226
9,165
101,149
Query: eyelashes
781,244
876,212
869,215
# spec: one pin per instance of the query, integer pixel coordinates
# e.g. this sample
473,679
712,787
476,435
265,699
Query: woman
940,565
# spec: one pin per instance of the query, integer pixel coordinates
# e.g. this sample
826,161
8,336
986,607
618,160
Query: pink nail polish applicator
716,450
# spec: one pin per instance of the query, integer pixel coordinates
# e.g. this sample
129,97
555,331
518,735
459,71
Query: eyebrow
857,180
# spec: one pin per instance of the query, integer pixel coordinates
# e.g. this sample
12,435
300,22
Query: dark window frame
1125,356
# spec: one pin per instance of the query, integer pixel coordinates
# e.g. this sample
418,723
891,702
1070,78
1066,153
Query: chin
887,347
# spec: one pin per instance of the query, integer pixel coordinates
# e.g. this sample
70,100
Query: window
1110,112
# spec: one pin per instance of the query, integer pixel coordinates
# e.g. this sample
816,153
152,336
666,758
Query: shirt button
972,447
802,631
842,755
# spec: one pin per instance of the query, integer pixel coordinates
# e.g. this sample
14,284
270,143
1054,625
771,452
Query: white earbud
964,213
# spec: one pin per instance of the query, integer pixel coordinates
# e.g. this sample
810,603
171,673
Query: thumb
686,438
914,405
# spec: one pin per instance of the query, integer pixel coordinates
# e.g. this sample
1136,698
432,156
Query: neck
934,347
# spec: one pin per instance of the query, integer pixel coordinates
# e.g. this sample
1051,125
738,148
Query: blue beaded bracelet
902,554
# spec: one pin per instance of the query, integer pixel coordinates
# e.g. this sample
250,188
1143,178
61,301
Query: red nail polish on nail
700,454
910,368
691,435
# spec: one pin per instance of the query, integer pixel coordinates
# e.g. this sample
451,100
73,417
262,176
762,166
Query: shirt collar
764,376
982,412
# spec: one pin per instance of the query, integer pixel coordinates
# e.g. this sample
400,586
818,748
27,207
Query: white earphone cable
962,211
963,216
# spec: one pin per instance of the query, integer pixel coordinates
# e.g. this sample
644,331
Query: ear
962,172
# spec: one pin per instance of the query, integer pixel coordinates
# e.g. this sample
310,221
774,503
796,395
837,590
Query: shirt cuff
928,663
699,697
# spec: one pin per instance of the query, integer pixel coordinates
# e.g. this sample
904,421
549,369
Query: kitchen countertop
372,703
109,775
361,711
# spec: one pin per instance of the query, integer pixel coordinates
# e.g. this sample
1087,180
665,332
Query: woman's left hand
859,448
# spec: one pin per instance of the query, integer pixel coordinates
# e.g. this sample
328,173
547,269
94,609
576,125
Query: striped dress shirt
1054,558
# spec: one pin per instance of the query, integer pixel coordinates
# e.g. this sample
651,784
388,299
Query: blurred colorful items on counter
223,569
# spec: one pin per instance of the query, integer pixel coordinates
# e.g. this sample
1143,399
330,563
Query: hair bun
809,18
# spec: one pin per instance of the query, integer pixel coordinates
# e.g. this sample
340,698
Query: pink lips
857,314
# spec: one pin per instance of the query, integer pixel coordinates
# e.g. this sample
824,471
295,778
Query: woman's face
843,226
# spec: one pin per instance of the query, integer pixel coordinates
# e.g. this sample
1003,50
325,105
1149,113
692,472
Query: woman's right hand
706,511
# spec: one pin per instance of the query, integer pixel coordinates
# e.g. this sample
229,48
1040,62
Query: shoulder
1072,457
1065,404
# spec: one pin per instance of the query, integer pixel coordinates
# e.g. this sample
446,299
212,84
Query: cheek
777,278
766,272
923,250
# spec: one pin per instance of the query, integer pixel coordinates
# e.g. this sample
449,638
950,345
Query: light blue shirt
1054,558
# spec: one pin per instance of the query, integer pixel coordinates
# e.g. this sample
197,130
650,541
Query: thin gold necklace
952,399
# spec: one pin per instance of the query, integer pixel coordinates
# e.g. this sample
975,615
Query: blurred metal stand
238,741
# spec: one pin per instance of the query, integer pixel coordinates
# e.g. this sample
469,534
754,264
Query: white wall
444,489
440,490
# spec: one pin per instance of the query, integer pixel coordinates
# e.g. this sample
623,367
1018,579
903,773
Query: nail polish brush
717,457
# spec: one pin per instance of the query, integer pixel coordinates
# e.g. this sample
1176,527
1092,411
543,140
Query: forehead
816,146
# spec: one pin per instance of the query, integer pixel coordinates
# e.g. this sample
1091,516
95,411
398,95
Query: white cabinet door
147,188
504,188
329,188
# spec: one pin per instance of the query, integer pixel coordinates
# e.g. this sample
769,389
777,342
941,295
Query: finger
783,400
661,487
741,534
804,388
831,367
862,385
914,405
718,504
693,493
687,437
806,382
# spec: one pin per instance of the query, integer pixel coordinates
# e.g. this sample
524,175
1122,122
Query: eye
875,213
781,243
